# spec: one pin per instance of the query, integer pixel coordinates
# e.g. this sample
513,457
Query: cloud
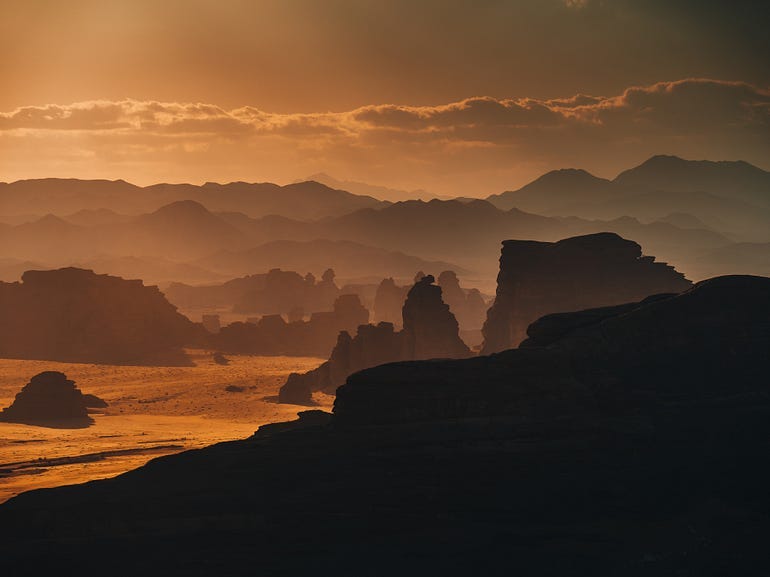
702,105
481,141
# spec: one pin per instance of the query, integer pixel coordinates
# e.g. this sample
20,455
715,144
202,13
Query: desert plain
152,411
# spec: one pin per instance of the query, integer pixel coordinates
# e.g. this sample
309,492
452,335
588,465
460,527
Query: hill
304,200
730,197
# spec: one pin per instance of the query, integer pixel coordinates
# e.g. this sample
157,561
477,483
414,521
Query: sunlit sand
152,411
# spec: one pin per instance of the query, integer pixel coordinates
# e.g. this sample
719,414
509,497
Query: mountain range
732,197
301,200
706,218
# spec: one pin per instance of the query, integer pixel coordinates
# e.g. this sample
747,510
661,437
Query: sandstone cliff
74,315
540,278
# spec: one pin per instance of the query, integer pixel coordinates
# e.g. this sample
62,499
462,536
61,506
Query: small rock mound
50,400
94,402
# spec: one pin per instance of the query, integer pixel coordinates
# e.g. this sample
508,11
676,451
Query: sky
456,97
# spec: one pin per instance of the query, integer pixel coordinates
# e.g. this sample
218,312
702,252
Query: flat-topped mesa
596,270
51,400
430,331
75,315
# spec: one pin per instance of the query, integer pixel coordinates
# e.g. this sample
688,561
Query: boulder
51,400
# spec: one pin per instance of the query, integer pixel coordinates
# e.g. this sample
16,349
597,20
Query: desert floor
152,411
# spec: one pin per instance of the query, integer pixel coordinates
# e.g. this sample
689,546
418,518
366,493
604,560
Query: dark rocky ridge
74,315
430,331
615,359
642,457
51,400
540,278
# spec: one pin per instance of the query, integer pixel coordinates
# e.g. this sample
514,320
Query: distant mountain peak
189,207
568,175
671,162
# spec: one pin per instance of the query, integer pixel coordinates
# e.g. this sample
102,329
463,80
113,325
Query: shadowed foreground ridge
626,441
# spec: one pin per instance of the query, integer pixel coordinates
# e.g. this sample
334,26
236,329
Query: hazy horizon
450,97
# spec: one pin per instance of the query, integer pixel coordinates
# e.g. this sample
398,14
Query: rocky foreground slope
627,441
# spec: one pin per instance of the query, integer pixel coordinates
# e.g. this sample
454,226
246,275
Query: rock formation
272,335
614,358
74,315
275,292
468,306
632,444
540,278
430,331
388,302
51,400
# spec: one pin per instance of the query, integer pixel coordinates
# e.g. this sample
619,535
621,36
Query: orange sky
453,96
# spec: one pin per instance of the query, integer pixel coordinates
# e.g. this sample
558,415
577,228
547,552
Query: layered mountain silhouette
728,179
430,235
682,211
364,189
732,197
302,200
622,441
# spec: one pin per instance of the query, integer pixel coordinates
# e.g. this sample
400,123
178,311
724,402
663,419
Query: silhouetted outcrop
538,278
275,292
51,400
272,335
632,445
388,302
430,331
74,315
468,306
615,360
284,290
